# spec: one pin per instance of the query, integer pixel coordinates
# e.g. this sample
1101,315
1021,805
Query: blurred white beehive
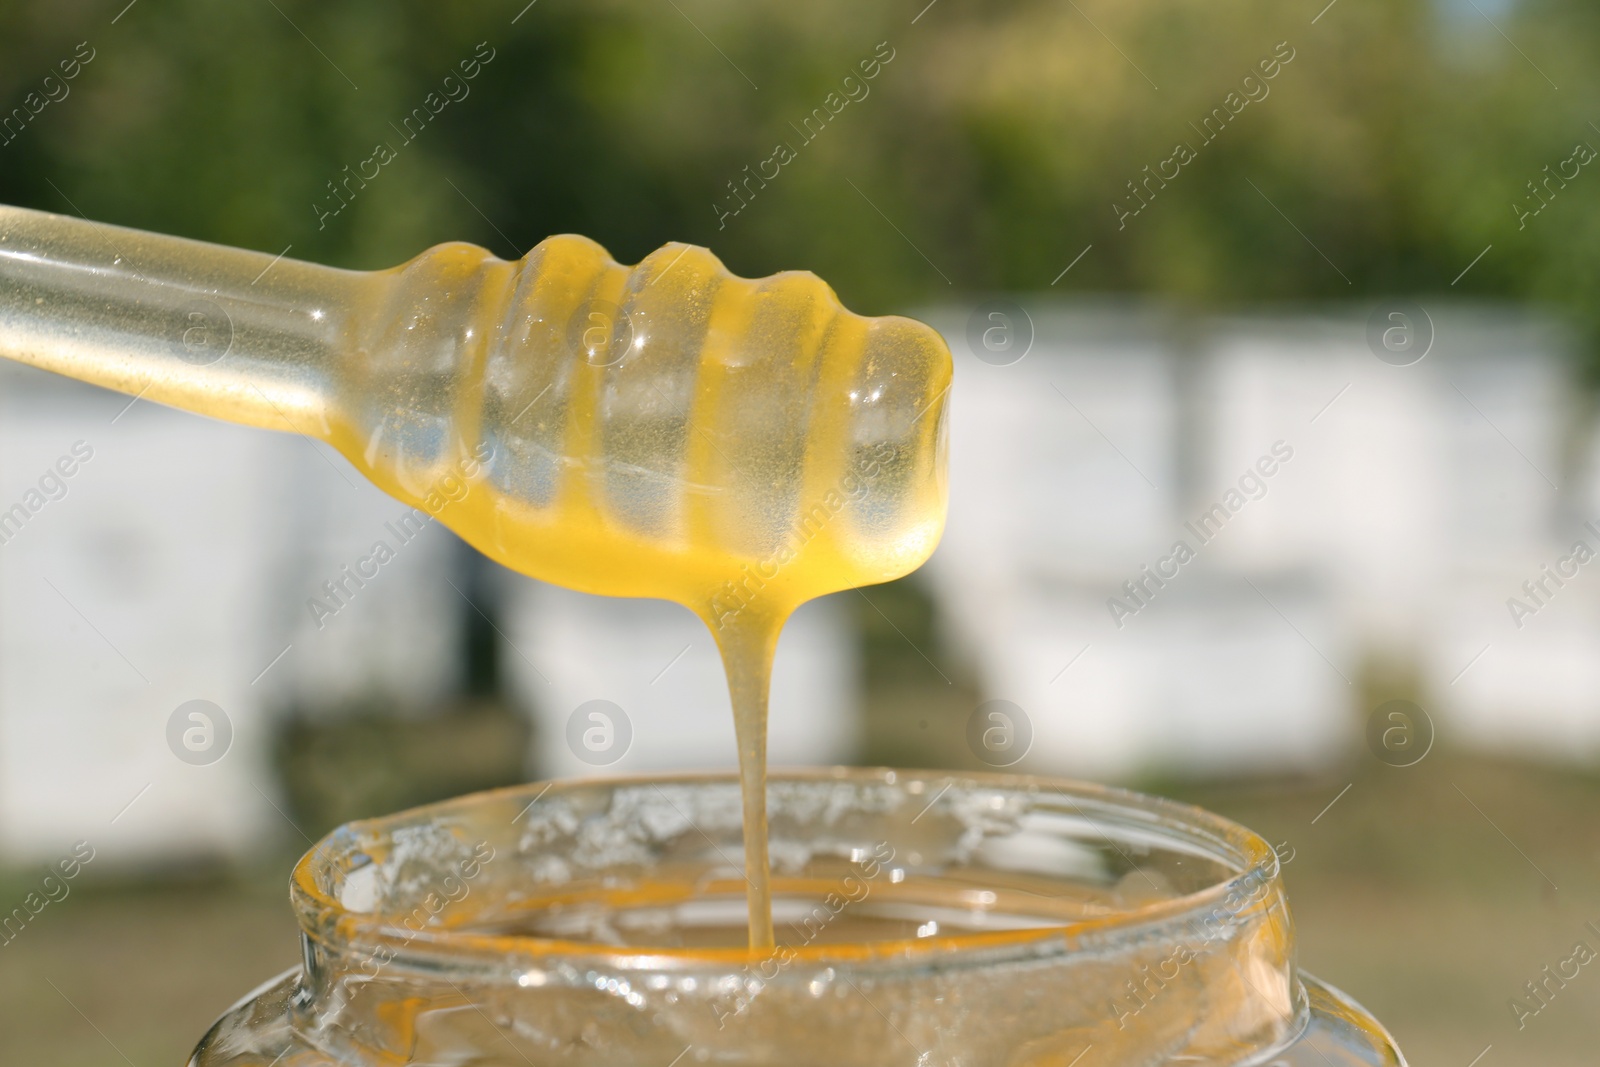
657,663
1073,470
179,562
138,589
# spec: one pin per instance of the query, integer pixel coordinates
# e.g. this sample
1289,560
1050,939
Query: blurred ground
1405,896
151,966
1432,912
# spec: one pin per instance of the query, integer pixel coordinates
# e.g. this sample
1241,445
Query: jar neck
1205,977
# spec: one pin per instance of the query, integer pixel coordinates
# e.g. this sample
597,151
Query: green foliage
997,141
364,761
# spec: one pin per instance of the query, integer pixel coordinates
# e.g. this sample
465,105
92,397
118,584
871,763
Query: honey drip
668,430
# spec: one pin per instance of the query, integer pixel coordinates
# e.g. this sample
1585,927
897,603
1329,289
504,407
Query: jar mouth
1210,866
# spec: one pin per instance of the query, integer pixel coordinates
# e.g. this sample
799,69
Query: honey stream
667,430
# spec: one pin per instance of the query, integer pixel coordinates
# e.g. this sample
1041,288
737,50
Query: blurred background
1304,288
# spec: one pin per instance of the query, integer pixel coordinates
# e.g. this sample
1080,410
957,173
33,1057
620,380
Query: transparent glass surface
661,430
922,919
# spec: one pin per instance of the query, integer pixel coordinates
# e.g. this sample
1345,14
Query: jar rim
1251,861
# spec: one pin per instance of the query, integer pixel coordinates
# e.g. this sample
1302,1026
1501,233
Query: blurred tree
989,151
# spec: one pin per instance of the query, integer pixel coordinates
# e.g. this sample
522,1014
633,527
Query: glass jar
923,919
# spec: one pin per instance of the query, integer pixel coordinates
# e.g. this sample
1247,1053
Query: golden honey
667,430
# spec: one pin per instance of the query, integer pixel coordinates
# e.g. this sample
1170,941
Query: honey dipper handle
243,336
